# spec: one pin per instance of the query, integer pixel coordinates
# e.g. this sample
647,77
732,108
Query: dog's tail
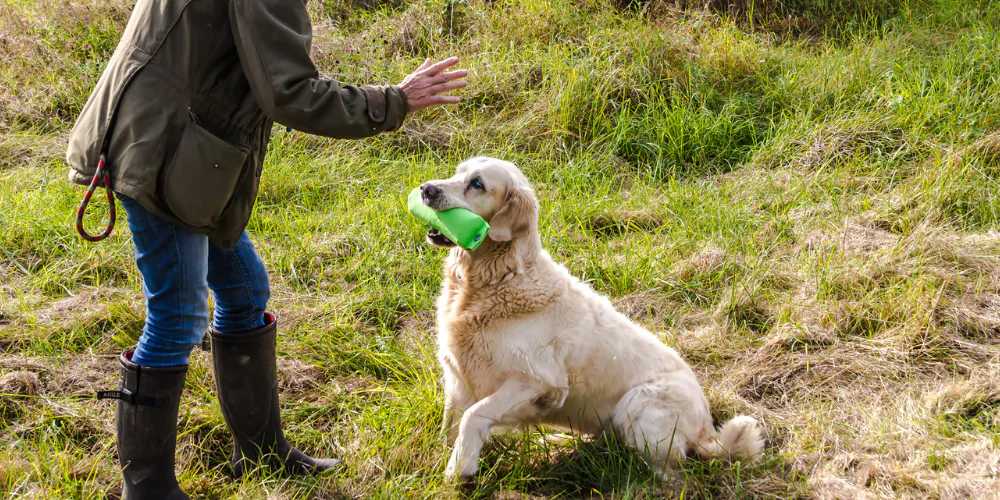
737,438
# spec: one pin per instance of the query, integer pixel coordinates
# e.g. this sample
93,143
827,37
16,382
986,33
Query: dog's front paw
460,469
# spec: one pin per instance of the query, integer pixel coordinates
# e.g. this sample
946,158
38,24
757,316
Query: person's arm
273,38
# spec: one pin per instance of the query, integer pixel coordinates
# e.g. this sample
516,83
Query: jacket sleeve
273,38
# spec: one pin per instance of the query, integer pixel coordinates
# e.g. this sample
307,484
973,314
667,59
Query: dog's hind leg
512,404
649,419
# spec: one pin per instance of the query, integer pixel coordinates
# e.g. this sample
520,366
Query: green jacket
188,99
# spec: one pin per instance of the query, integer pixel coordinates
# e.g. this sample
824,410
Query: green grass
802,197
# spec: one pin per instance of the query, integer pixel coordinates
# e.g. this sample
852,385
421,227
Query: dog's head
493,189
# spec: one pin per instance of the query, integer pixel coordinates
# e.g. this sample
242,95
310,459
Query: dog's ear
515,215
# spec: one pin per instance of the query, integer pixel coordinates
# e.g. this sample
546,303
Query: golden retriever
521,341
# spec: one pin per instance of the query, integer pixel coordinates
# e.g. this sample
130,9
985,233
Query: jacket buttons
216,165
376,113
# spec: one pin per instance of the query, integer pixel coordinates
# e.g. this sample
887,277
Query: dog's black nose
430,191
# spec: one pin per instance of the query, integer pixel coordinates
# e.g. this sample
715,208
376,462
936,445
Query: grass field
802,197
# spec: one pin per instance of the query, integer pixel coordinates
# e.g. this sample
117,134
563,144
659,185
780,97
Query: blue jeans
178,269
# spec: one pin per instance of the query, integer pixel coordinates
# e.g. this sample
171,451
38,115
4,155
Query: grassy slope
805,205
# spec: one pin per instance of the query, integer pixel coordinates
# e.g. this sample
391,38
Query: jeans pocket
201,178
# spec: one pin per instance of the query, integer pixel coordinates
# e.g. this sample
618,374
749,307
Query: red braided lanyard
102,173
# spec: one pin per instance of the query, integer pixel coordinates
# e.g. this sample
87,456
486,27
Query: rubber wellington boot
146,428
246,376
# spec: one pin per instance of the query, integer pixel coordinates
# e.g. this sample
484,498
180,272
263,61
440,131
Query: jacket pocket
200,180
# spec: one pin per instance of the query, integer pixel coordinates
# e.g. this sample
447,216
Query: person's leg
244,338
173,262
239,283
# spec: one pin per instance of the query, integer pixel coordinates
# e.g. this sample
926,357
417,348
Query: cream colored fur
521,341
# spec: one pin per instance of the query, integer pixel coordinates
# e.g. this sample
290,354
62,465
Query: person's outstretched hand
423,87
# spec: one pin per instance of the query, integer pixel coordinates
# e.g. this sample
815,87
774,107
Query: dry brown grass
872,397
44,47
58,377
840,281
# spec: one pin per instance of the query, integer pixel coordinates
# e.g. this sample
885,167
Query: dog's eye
476,184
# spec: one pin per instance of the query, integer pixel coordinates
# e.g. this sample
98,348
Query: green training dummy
462,227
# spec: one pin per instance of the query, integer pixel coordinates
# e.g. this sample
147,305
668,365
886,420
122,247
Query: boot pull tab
133,398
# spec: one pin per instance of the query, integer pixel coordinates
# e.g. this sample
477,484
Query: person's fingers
433,90
434,100
445,87
424,86
450,75
433,85
427,82
417,72
443,65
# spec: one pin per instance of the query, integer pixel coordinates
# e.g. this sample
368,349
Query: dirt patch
5,322
11,157
617,223
297,377
533,78
13,386
864,475
853,238
20,382
702,277
746,310
297,312
355,385
797,336
417,330
69,376
647,307
864,239
976,317
962,472
413,323
697,342
838,145
86,305
412,34
774,376
709,259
